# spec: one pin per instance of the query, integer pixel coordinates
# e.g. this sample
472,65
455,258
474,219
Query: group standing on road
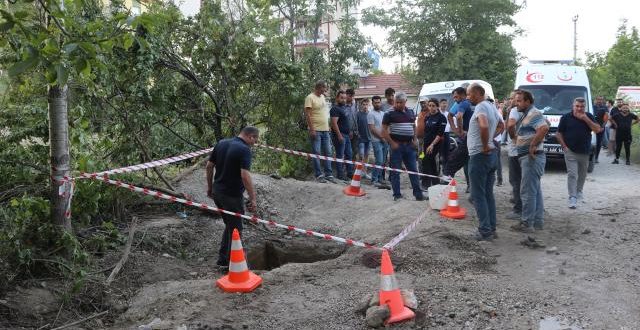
394,134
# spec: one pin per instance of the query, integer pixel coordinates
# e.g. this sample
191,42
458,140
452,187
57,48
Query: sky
547,25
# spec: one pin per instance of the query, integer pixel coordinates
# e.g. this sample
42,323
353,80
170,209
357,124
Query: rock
376,316
375,300
552,249
151,324
364,304
31,301
166,255
409,298
488,309
586,232
613,220
193,273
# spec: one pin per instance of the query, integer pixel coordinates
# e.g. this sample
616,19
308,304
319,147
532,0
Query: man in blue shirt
341,128
231,162
574,134
459,118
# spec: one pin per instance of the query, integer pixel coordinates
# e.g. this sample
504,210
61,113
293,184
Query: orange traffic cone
390,292
239,278
354,188
453,210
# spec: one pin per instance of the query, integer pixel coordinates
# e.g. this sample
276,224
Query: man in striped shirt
398,128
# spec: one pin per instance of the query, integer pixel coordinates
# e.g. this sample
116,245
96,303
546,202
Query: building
328,31
372,85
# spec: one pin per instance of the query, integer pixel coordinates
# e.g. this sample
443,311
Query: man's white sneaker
573,202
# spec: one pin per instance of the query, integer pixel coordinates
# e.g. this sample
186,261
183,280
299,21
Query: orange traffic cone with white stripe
453,209
239,278
390,292
354,188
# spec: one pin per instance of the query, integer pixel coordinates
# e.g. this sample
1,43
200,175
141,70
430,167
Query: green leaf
7,15
23,66
6,26
62,74
83,67
128,41
70,47
20,14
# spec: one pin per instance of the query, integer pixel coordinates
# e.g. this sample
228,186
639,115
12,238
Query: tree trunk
59,154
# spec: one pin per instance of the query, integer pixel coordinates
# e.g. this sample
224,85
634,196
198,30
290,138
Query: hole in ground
274,253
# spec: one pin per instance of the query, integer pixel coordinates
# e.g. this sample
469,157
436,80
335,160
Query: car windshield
556,100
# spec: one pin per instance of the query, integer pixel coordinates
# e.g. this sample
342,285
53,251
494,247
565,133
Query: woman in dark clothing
431,126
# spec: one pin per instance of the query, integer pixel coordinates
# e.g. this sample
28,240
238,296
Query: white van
443,90
631,95
554,85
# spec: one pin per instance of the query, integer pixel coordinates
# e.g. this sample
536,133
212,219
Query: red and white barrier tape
156,163
308,155
407,230
253,219
139,167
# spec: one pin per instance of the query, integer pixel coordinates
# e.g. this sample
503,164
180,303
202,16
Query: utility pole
575,39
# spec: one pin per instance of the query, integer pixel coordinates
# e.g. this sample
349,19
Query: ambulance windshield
554,99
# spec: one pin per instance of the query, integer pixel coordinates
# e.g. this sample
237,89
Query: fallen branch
125,254
188,171
80,321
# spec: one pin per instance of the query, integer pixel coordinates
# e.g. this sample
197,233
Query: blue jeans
323,140
482,169
363,149
343,151
405,153
530,189
378,149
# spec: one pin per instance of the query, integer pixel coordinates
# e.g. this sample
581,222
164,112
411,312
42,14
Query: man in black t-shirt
341,130
623,121
574,134
612,126
230,160
601,114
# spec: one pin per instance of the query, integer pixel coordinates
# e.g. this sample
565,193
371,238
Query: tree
620,66
61,43
453,40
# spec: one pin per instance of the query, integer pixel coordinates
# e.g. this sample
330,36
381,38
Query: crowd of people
398,138
466,136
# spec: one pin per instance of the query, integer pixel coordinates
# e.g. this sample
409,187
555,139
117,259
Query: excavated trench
276,252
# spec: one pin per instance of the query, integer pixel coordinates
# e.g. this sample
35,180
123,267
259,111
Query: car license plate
553,149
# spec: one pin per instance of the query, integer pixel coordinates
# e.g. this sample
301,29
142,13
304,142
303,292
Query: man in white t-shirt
515,172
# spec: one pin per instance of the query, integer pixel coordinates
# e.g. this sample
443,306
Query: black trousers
626,141
458,159
444,149
430,166
599,138
232,204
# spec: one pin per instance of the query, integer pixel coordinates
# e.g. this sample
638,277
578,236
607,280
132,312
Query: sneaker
514,216
573,202
494,234
523,228
321,179
479,237
628,162
422,198
615,161
397,198
538,226
499,183
467,190
580,197
596,161
330,178
342,178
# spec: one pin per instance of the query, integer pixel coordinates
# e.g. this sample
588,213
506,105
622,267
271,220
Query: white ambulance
443,90
554,85
631,95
